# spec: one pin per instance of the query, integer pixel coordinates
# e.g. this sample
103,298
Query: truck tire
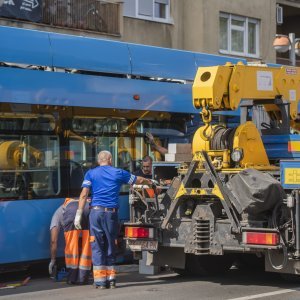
203,265
293,278
249,261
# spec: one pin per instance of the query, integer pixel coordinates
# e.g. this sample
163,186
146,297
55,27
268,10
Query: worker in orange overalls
77,249
78,254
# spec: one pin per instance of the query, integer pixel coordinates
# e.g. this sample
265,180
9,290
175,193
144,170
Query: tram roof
114,61
99,55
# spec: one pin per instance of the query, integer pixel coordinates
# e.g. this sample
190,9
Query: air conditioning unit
279,14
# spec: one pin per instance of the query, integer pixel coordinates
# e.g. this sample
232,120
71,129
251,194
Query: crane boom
224,87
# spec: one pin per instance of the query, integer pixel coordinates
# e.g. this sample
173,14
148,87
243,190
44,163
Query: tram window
173,127
84,151
81,158
121,149
22,122
29,166
99,125
140,150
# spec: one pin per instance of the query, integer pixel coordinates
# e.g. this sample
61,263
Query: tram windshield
46,150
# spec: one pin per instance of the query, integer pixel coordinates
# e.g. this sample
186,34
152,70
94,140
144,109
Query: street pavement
235,285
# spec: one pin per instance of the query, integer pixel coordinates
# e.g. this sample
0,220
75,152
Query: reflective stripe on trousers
103,233
78,248
111,273
99,273
78,255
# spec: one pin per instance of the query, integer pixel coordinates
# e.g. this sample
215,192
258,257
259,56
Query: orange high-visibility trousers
78,255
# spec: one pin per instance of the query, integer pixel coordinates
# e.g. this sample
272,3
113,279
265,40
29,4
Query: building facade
236,28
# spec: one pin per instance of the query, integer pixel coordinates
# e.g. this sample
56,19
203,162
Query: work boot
112,284
100,287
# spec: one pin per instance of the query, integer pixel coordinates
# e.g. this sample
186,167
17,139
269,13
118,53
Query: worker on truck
146,168
155,145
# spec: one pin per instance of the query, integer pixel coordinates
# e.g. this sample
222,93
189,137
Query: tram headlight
237,155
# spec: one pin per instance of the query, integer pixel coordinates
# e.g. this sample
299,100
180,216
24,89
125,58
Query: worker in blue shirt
104,182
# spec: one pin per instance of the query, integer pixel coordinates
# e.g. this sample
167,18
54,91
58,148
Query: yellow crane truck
238,198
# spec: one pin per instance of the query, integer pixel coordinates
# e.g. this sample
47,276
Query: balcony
94,15
103,17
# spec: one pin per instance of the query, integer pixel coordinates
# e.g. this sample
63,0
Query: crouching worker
105,182
78,250
77,245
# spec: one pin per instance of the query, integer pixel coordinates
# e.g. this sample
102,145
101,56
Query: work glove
77,221
51,266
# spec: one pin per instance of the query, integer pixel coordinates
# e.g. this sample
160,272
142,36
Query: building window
154,10
239,35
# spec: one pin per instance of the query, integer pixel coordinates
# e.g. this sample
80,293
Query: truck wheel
249,261
206,265
290,277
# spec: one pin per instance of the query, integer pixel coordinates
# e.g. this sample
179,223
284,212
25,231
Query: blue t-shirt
105,183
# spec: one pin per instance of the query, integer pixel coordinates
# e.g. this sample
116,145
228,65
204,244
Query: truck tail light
139,232
261,238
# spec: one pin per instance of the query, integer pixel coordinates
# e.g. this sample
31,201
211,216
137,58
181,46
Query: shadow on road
40,280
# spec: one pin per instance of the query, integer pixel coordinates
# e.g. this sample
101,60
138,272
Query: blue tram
63,99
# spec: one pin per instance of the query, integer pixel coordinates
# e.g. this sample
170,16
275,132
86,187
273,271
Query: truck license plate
137,245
